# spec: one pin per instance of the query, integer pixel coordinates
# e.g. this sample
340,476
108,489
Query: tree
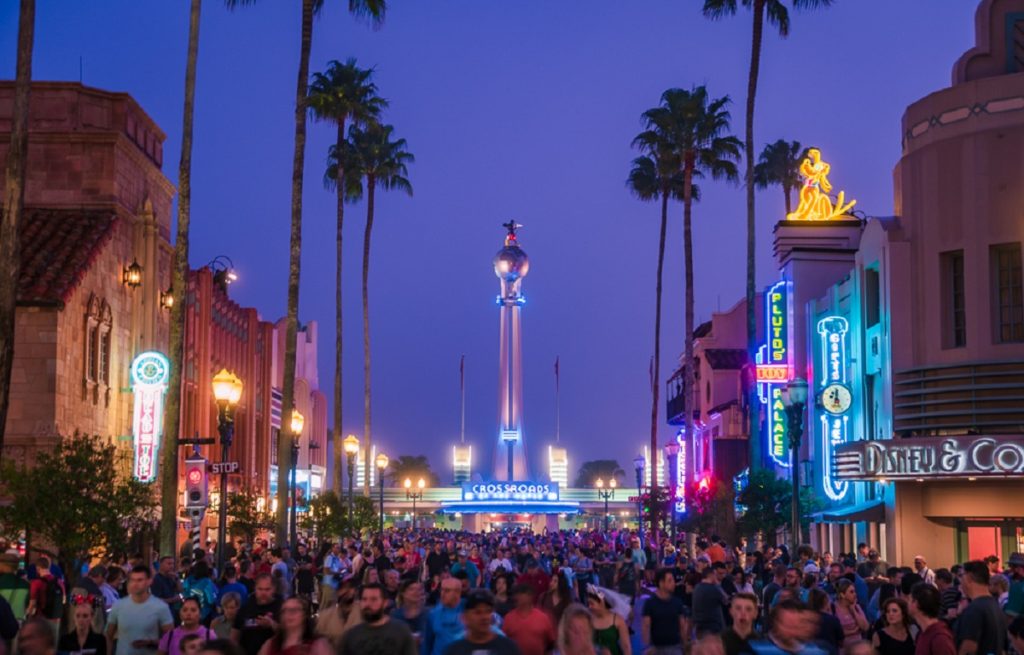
766,499
778,16
712,510
95,510
373,10
342,92
179,282
693,127
780,164
654,176
381,161
247,516
326,516
365,516
606,469
413,467
14,203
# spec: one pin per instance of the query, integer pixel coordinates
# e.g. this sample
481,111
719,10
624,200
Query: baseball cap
478,597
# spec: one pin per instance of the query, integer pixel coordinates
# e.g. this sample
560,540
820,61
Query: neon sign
815,203
681,472
835,399
510,491
774,369
150,372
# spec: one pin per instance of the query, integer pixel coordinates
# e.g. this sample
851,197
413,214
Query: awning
509,507
873,512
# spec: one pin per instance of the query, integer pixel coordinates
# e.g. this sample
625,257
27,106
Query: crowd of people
437,592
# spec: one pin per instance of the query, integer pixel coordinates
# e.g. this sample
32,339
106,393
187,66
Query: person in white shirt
501,561
921,566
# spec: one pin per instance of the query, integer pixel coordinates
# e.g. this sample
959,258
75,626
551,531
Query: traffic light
196,493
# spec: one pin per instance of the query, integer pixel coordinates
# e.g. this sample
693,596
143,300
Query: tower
510,265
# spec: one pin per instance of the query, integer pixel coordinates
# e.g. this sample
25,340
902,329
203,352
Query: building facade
96,203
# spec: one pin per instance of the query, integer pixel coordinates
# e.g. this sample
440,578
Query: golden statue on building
815,203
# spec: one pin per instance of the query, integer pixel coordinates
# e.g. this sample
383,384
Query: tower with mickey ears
511,265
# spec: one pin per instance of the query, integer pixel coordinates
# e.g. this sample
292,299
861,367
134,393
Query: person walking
190,615
83,638
934,636
257,620
139,620
979,628
849,613
444,622
377,633
708,602
663,622
743,610
480,637
894,638
294,634
610,629
529,627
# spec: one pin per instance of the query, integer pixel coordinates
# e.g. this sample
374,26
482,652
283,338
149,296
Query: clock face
836,398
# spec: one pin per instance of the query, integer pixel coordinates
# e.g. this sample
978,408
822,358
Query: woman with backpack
200,586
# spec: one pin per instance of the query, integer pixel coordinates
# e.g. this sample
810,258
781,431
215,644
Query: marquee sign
510,491
775,368
920,458
680,496
834,398
150,373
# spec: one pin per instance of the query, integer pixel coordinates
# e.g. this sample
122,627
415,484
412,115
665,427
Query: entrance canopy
510,498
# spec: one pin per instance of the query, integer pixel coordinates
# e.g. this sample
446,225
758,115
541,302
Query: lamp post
382,463
605,495
227,391
794,399
351,446
671,453
638,464
414,496
298,420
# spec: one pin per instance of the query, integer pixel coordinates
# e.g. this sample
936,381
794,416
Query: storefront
957,497
486,506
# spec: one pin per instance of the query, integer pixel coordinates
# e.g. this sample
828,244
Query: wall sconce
132,276
167,299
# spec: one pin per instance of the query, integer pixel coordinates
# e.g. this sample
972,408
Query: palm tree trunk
336,446
655,381
284,449
755,446
787,191
14,200
179,282
688,373
371,184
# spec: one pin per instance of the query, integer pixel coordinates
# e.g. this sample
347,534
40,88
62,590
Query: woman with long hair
295,634
83,637
189,614
557,597
849,613
501,586
200,586
610,629
895,638
576,632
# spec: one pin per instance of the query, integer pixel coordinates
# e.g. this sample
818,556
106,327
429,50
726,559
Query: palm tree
656,176
413,467
179,281
373,10
605,469
778,16
780,164
695,129
14,201
342,92
382,162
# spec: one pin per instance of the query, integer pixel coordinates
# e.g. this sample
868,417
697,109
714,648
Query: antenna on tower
558,403
462,392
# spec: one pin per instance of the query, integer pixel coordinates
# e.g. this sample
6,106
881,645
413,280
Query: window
1007,293
954,311
104,353
1015,43
98,324
872,297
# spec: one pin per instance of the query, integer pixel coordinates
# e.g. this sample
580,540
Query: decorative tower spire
510,265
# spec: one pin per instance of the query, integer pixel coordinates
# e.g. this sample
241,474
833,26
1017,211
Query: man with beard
377,633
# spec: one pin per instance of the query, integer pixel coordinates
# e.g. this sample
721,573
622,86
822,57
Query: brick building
96,201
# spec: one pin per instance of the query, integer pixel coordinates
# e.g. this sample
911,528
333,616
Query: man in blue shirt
444,622
471,569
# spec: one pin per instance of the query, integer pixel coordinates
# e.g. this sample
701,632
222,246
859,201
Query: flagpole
462,391
558,403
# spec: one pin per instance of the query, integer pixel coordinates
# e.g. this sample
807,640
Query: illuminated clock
836,398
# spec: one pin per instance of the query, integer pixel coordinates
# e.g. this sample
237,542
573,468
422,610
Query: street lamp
671,453
227,391
638,464
351,446
794,399
382,463
605,495
414,496
298,420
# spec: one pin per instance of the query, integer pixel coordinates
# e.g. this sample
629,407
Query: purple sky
519,110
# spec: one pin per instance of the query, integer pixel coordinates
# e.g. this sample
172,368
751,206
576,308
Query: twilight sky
519,110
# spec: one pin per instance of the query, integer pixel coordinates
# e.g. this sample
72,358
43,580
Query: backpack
53,607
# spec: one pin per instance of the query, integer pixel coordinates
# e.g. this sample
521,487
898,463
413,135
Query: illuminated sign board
510,491
681,473
931,457
774,368
834,398
815,199
150,373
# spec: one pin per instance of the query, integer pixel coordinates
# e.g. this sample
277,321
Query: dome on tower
511,263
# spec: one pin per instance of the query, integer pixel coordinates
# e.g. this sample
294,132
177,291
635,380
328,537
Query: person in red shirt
412,558
43,603
935,637
535,577
529,627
